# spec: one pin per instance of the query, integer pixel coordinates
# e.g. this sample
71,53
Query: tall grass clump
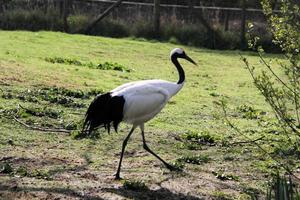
282,188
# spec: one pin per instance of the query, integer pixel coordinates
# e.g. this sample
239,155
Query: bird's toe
117,177
173,168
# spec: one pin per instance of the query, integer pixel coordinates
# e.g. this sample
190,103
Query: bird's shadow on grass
162,193
66,192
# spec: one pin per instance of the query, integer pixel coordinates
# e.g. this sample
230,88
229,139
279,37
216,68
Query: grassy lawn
48,79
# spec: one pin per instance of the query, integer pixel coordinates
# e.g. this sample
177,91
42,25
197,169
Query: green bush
33,20
142,29
229,40
78,22
111,28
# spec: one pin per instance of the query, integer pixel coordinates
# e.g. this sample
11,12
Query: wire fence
179,6
71,15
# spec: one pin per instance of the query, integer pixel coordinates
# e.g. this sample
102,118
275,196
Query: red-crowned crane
134,103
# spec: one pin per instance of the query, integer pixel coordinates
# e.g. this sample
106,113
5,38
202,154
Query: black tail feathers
102,112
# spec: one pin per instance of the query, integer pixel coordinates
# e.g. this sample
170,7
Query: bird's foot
173,168
117,177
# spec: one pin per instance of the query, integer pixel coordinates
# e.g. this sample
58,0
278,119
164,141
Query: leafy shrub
31,20
111,28
188,34
229,40
142,29
78,22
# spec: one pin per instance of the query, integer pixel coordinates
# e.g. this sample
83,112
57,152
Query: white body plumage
145,99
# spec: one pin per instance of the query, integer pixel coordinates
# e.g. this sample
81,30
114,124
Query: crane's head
179,53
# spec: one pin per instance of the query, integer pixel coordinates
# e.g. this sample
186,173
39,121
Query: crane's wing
126,85
143,102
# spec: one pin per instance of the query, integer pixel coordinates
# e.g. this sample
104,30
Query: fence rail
179,6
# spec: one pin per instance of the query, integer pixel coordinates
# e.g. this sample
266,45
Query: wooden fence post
226,20
191,11
243,26
66,12
156,17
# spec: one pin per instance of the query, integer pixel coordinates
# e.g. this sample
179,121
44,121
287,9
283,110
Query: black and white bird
134,103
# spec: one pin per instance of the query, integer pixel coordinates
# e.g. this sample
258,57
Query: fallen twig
245,142
6,158
41,129
176,137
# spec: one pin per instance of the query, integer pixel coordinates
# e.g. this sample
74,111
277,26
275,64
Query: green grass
56,95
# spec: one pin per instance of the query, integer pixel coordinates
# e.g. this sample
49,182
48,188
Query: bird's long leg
122,153
170,167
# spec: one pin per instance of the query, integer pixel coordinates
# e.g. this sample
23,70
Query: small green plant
112,66
41,112
178,164
6,168
229,157
67,61
200,138
249,112
22,171
219,195
194,159
214,94
101,66
134,185
40,174
76,134
190,145
224,177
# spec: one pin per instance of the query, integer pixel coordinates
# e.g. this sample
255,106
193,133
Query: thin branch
41,129
262,149
277,77
279,115
295,97
246,142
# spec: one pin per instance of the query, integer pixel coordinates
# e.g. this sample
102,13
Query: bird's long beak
191,60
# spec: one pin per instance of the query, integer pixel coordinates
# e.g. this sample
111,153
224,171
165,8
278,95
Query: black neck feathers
179,68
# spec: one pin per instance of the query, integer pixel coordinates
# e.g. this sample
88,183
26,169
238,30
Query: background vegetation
210,28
